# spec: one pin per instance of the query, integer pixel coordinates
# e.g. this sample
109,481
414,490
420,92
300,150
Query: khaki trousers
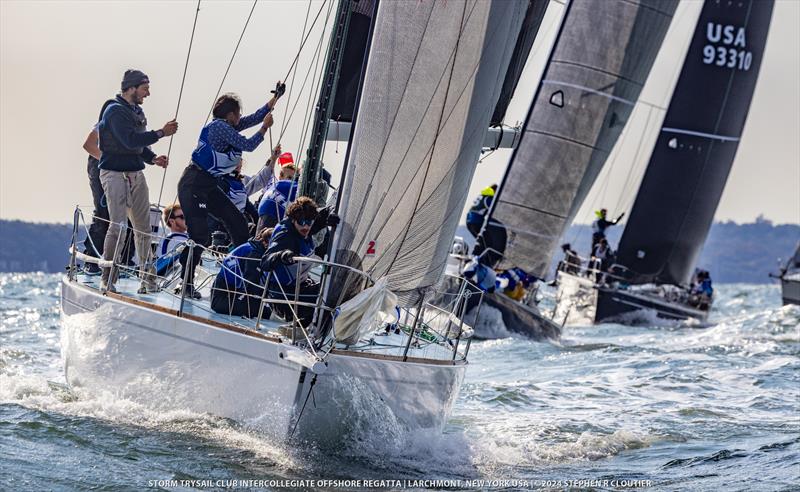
127,197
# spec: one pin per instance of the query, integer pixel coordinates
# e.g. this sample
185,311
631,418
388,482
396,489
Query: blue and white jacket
238,190
168,252
276,198
480,275
220,147
244,262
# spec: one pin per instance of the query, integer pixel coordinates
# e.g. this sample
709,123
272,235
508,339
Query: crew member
491,243
93,244
277,197
168,252
218,152
600,225
291,238
124,147
240,282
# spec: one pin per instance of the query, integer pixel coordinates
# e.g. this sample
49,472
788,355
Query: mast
696,146
343,106
312,169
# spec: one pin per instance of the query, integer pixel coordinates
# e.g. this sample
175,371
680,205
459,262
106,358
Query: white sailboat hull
136,352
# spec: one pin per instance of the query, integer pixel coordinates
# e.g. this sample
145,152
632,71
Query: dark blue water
683,407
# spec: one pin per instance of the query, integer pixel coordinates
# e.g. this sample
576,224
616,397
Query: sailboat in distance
429,78
598,64
685,176
789,275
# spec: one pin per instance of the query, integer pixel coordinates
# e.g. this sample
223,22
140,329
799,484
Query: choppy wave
687,407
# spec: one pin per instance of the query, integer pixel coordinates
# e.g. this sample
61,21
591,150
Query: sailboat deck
380,343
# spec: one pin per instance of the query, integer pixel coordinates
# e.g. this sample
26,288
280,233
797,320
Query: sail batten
695,149
596,70
433,78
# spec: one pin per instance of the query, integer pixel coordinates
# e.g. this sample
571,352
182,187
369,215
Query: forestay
598,65
694,152
432,81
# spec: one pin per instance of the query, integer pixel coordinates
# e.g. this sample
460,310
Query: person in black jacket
124,147
93,244
291,238
489,246
600,225
239,284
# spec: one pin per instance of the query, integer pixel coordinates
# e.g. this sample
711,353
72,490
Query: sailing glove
280,89
332,220
287,257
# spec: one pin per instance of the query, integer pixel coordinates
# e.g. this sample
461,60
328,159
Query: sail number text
733,53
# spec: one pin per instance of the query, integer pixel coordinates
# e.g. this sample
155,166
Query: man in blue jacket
292,238
124,146
239,284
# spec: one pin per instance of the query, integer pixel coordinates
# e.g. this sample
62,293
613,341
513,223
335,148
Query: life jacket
240,264
106,140
517,293
277,197
480,275
214,162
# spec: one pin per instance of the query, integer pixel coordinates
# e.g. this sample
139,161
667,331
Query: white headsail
432,81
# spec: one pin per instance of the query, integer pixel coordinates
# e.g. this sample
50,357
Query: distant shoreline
733,253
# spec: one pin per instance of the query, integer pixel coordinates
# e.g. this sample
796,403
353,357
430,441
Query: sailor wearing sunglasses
294,237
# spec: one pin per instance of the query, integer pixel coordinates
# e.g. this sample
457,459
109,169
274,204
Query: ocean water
610,407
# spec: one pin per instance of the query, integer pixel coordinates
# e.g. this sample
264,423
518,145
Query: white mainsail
596,70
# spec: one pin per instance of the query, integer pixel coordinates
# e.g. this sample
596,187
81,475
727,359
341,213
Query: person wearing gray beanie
133,78
124,150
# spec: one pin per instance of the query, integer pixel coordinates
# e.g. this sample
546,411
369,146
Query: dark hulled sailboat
597,67
789,276
689,166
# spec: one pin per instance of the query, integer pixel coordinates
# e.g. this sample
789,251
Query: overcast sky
59,60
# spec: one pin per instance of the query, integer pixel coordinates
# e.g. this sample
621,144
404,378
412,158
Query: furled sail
598,65
530,27
695,149
432,81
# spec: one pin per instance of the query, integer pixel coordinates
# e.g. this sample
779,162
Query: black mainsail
694,152
601,58
355,47
530,28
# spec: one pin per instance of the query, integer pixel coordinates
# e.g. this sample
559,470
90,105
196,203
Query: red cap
285,159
